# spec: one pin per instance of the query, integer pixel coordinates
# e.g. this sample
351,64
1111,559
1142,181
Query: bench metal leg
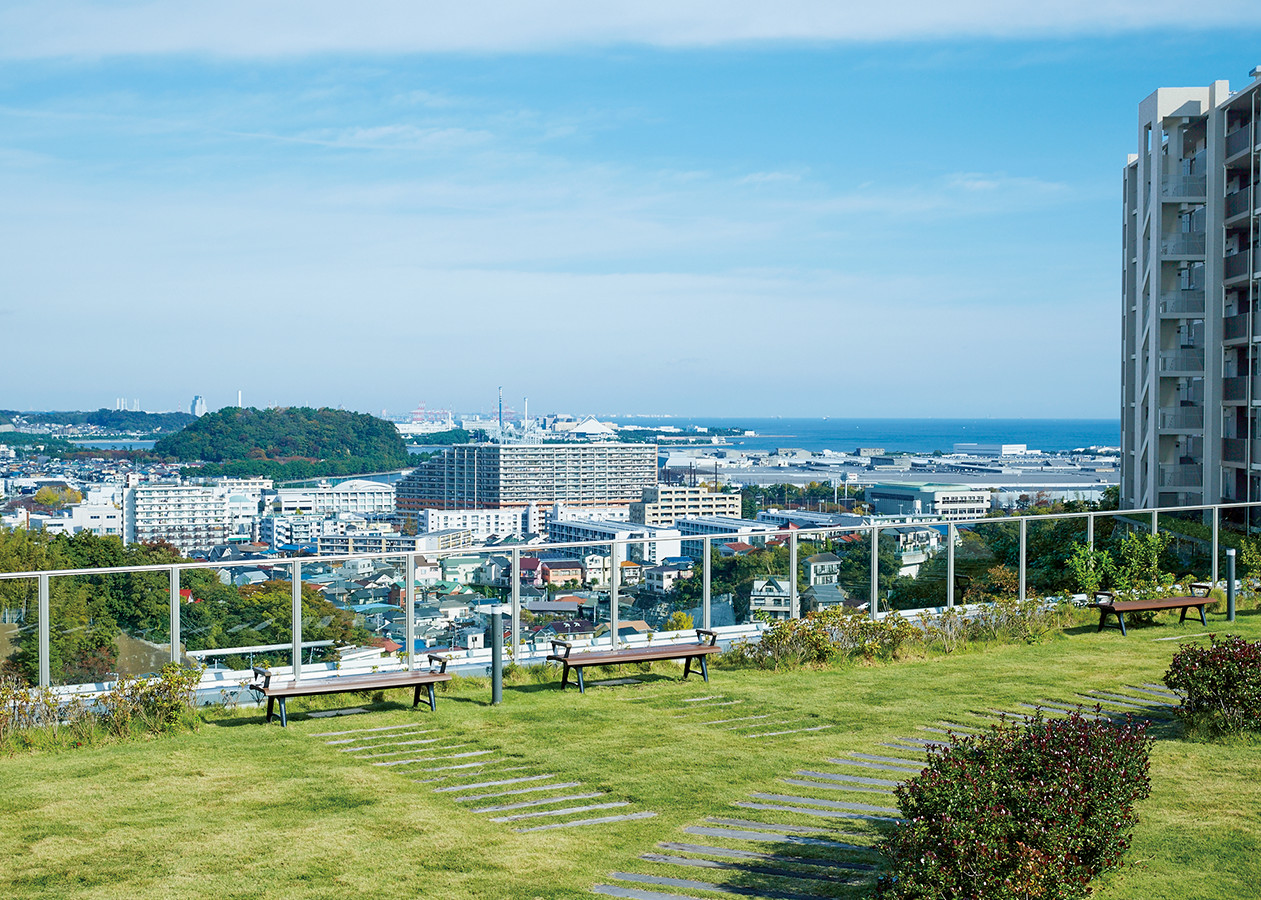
564,678
704,670
271,701
1103,619
433,703
284,715
582,685
1121,619
687,668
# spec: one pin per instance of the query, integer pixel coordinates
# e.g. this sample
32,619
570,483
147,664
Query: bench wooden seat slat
345,684
691,653
1108,606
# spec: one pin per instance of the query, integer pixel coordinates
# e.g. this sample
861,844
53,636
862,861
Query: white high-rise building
188,516
198,406
1191,332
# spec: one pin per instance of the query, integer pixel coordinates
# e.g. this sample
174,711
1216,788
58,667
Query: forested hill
268,436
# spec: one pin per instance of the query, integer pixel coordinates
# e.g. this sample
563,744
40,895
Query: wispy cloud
265,28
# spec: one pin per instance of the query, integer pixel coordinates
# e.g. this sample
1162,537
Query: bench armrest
702,633
264,674
1105,597
1201,586
434,657
566,644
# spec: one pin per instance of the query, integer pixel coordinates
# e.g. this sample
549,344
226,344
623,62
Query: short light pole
1230,584
497,655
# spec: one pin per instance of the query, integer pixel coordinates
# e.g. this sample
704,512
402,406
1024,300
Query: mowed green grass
243,810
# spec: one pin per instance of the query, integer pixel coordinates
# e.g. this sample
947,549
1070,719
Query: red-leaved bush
1024,811
1220,684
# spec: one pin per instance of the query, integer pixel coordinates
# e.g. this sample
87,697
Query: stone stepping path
768,857
689,884
475,776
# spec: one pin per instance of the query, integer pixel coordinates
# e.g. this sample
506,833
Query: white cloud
266,28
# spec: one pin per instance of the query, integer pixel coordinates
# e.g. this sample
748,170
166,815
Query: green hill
293,441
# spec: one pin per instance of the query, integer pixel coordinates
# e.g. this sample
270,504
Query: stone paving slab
762,734
403,762
740,719
482,784
894,760
381,737
829,804
562,812
333,713
822,813
410,749
750,868
525,804
880,767
825,786
582,823
771,857
472,765
852,779
799,840
613,890
551,786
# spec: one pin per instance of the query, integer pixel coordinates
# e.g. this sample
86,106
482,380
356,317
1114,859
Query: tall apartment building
484,523
665,503
1191,328
488,476
190,517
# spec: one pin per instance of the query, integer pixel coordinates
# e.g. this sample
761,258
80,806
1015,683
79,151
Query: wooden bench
691,652
346,684
1108,605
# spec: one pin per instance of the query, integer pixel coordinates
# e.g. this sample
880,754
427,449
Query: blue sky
824,209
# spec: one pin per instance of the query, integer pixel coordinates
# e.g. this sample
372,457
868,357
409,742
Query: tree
679,621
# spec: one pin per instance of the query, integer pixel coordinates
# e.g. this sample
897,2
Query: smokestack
238,399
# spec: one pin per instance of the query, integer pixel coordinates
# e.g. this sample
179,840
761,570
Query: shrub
1220,684
1023,811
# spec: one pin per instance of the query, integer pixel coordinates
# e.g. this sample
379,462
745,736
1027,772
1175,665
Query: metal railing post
409,607
45,673
1090,531
175,613
297,620
794,602
707,586
615,580
516,602
1155,521
1216,527
950,564
875,573
1024,554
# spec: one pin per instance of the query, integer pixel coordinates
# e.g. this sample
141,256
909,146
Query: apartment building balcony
1181,475
1235,266
1189,362
1235,450
1235,327
1184,186
1235,389
1181,418
1183,243
1182,303
1239,141
1238,203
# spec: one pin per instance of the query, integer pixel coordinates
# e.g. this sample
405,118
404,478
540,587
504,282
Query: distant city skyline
818,209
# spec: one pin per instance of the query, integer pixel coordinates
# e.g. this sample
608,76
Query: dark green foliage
451,436
25,443
1220,685
1033,811
307,442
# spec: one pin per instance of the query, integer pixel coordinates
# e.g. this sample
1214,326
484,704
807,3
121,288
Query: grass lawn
242,810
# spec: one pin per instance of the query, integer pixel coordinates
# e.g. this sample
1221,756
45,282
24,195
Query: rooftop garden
394,799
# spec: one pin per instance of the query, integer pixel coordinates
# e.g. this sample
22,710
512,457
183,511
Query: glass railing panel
19,628
987,561
920,555
1051,542
102,627
1188,557
237,617
854,574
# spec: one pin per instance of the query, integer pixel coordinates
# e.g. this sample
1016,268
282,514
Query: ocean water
913,435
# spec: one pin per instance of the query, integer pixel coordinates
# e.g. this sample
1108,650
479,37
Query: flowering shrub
1220,684
1023,811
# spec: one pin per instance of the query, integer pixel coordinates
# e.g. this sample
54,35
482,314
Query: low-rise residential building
650,544
823,568
662,579
746,530
665,504
771,597
484,523
358,496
